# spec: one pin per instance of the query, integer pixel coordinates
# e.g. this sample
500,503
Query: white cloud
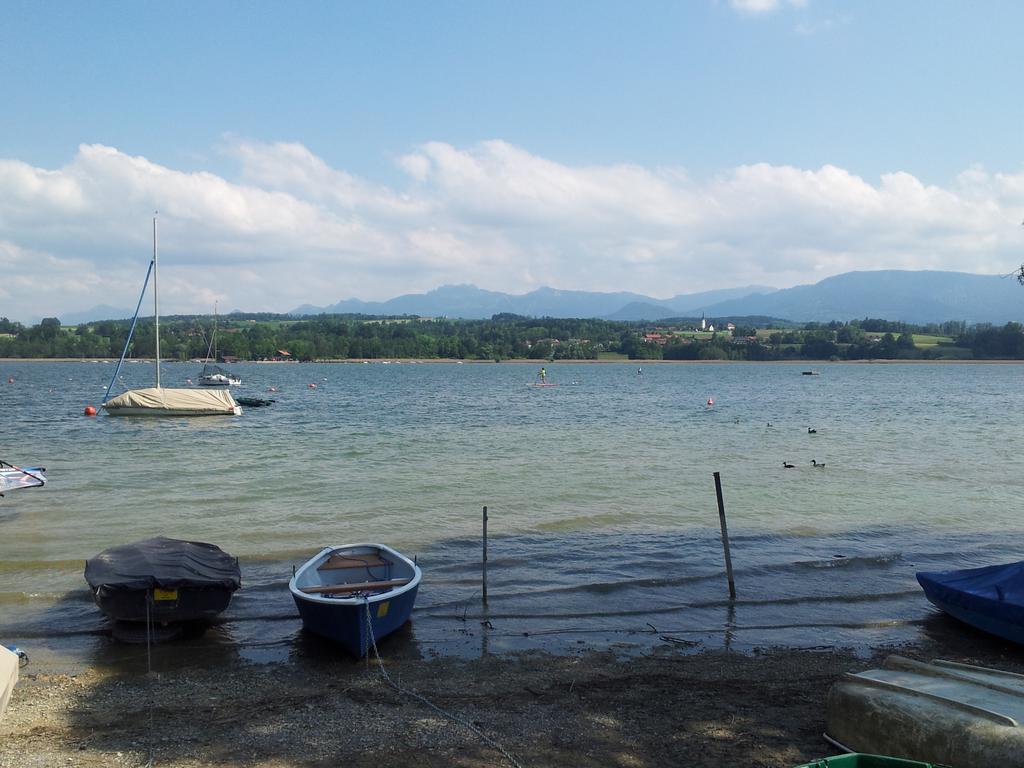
754,7
808,28
289,229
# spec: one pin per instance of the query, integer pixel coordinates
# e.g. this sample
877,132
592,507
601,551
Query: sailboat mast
156,308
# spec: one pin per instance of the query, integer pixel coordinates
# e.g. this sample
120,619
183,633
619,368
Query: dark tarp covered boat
989,598
254,402
163,580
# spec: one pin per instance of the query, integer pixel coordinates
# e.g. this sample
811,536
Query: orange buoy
312,385
711,402
90,411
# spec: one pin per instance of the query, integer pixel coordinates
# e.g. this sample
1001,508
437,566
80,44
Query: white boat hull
9,663
945,713
214,382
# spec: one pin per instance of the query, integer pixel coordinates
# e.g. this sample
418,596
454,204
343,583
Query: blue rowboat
355,594
990,598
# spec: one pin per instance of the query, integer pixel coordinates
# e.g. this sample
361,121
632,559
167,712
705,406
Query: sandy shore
668,708
526,361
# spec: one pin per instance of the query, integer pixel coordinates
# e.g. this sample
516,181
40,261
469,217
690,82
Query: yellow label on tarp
382,610
164,594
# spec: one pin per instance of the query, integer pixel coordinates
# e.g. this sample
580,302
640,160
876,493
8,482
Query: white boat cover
154,401
8,676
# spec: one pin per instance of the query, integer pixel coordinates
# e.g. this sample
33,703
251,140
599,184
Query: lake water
603,519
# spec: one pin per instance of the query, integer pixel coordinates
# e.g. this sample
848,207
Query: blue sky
308,152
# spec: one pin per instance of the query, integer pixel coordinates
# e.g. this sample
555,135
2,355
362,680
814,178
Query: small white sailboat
164,401
213,375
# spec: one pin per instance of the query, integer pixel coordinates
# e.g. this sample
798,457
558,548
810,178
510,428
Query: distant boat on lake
215,376
254,402
809,373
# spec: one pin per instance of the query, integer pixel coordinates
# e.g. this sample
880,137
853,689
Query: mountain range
910,296
470,302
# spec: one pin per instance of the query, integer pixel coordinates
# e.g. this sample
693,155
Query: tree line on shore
506,336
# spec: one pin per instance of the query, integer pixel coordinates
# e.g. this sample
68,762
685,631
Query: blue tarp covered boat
355,594
989,598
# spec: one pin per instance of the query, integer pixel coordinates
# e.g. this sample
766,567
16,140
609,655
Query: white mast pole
156,307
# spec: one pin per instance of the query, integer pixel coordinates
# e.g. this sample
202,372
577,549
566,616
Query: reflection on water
602,510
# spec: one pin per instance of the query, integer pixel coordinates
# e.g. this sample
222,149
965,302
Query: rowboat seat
359,586
341,560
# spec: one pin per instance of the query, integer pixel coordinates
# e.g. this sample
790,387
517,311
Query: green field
922,340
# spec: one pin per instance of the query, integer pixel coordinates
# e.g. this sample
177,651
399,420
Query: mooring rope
131,331
149,679
419,697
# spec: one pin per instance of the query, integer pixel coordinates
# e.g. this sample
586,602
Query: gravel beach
588,709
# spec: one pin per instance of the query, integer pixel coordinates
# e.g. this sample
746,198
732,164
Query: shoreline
593,708
526,361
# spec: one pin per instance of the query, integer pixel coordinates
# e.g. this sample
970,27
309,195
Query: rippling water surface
603,519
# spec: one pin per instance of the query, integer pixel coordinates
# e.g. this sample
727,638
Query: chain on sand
450,715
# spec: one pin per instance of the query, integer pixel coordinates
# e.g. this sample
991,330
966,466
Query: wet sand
668,707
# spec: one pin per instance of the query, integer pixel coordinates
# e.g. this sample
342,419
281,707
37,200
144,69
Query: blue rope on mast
106,395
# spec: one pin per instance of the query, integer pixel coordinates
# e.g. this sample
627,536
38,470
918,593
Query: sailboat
213,375
164,401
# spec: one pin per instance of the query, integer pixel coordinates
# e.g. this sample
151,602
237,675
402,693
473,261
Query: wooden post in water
725,536
485,556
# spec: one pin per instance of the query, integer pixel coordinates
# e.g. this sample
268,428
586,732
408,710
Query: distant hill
684,304
914,297
470,302
910,296
99,312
